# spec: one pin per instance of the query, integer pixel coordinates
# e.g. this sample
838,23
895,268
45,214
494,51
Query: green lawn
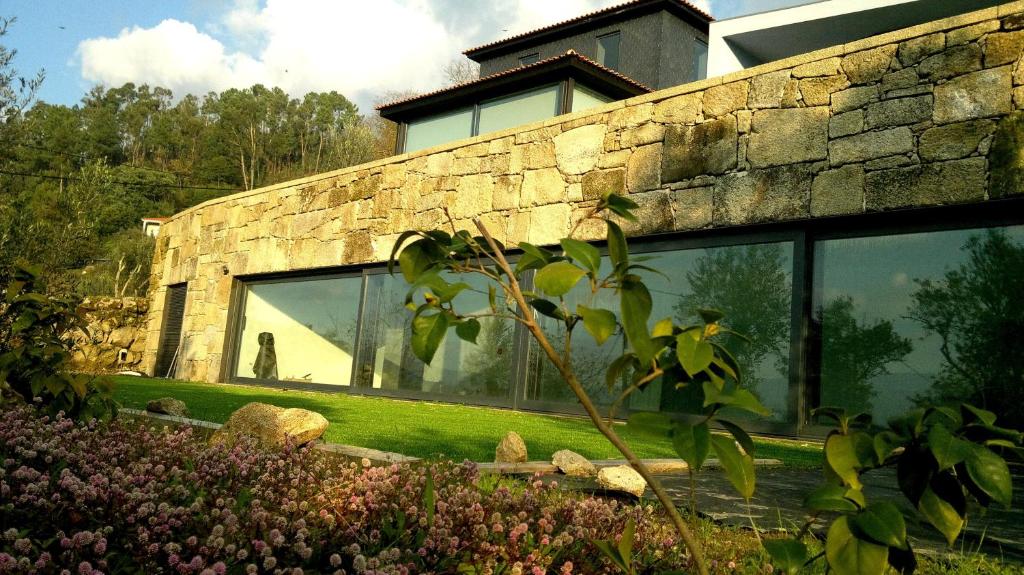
425,429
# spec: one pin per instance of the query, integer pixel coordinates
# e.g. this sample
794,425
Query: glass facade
875,320
912,317
608,49
521,108
584,98
435,130
700,61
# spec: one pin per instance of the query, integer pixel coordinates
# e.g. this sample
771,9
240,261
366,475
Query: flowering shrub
86,498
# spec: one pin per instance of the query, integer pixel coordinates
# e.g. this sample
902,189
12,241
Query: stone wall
115,335
921,116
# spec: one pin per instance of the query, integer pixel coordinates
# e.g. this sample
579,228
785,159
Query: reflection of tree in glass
485,368
853,353
750,284
978,312
590,362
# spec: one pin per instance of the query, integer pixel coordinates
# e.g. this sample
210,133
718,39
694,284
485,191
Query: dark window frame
805,346
531,58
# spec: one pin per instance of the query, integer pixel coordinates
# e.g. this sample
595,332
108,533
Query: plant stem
588,406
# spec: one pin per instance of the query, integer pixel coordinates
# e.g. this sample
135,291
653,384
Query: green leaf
941,514
492,297
635,302
617,250
427,334
558,278
582,253
738,398
468,330
788,555
398,245
429,499
621,206
547,308
849,555
884,442
626,544
991,474
694,354
883,523
841,454
739,468
947,448
972,414
416,259
616,369
692,443
533,257
741,436
663,328
829,497
710,316
599,323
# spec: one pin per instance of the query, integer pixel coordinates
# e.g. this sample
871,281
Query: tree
978,313
16,91
460,71
853,353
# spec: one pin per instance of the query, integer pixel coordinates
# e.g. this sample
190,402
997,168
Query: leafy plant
943,458
35,349
685,359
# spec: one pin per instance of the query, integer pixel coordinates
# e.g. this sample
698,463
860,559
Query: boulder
168,406
511,449
622,478
573,464
271,426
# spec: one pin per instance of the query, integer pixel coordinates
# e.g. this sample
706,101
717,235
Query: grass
426,429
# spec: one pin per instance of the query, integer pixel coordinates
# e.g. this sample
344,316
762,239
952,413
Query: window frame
527,59
602,50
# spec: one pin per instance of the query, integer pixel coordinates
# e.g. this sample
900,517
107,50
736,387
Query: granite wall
917,117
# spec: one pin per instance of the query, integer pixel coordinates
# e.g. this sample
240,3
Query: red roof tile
583,17
511,71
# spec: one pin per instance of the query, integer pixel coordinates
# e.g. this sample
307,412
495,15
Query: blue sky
301,45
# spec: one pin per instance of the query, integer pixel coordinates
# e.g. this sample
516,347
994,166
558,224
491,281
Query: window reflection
300,331
924,317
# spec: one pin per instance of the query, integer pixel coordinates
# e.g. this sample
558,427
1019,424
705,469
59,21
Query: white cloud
361,49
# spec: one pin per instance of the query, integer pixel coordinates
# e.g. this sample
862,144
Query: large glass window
608,49
299,330
584,98
521,108
439,129
751,284
459,368
700,61
934,316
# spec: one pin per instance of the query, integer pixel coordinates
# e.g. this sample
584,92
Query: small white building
151,226
746,41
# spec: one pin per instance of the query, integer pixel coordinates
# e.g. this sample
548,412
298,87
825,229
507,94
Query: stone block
1003,48
889,162
614,159
725,98
853,98
899,112
548,224
597,183
631,116
767,90
845,124
869,65
926,185
870,145
953,61
541,187
1006,176
769,194
691,208
954,141
818,91
506,192
838,192
532,156
900,79
916,49
472,196
788,136
708,148
642,135
975,95
440,164
654,214
577,151
643,170
1013,22
826,67
684,109
970,33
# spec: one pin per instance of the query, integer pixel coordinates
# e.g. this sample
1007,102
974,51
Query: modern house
611,54
151,226
852,210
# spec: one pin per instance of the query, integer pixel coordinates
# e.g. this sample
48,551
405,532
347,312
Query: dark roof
523,77
590,20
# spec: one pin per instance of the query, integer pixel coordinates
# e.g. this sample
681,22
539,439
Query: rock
970,33
788,136
597,183
691,208
767,90
870,145
954,141
577,151
271,426
684,109
511,449
826,67
167,406
643,169
976,95
724,99
916,49
573,464
1003,48
838,192
852,98
708,148
846,124
900,80
622,478
769,194
869,65
951,62
818,91
1006,165
931,184
899,112
542,187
